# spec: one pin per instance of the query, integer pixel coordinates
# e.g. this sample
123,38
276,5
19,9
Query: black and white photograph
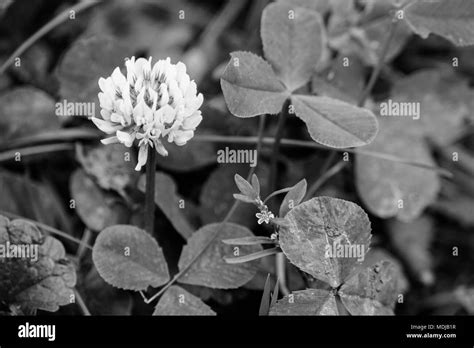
250,166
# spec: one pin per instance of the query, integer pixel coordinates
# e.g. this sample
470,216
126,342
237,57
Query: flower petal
125,138
105,126
160,148
111,140
191,122
142,156
182,137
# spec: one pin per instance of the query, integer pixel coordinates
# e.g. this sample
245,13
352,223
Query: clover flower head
264,216
149,104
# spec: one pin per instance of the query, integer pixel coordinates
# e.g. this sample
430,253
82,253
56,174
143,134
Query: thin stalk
313,145
323,178
150,191
47,228
252,140
56,136
378,68
60,18
280,265
261,128
82,305
273,175
35,150
85,240
276,193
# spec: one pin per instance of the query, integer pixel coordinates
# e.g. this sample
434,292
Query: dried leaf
112,166
43,279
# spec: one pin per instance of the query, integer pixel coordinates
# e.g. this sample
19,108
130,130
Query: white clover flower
148,105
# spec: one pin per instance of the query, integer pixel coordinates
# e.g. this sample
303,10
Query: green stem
60,18
34,151
273,177
314,145
242,140
323,178
378,68
150,191
82,305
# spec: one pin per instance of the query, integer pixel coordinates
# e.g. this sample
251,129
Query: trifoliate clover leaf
252,87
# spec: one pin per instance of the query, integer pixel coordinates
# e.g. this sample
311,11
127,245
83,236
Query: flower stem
150,191
273,176
82,305
276,149
378,68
